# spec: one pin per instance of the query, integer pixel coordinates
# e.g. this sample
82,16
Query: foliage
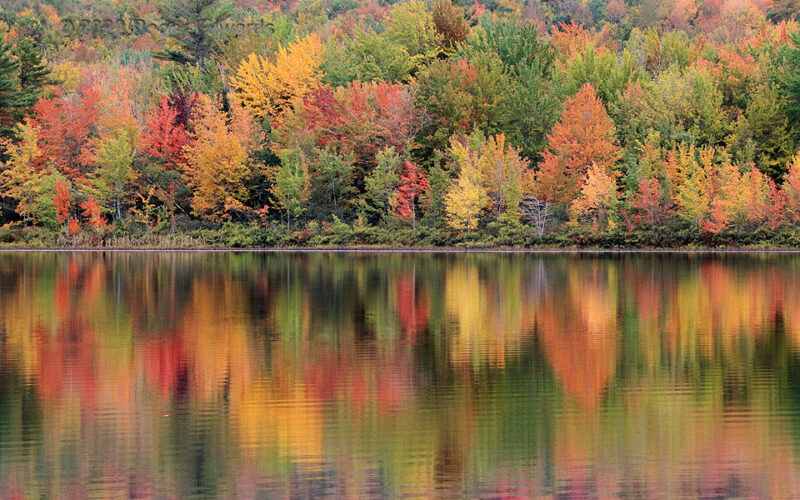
67,124
608,75
467,198
461,97
218,163
191,23
270,89
597,198
584,136
337,122
291,185
412,185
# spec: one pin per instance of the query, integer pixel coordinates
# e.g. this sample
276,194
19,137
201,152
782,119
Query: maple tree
20,179
597,198
412,184
573,38
67,124
73,226
582,137
693,192
356,121
92,212
791,189
63,205
648,203
505,175
164,137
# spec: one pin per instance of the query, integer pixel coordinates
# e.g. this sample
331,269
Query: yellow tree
467,198
693,192
791,188
20,180
504,175
598,196
217,162
268,88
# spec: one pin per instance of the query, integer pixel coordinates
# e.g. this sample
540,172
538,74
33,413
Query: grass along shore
346,237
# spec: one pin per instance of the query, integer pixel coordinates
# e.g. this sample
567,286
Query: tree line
442,118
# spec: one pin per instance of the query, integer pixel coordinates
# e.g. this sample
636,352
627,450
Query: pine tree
191,24
33,73
9,93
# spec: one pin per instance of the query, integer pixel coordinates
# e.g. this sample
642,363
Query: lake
264,375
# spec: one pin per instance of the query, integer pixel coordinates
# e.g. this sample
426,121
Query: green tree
191,24
9,88
332,178
534,95
694,104
115,159
366,56
461,97
20,180
787,76
33,72
607,73
762,135
411,26
291,185
380,184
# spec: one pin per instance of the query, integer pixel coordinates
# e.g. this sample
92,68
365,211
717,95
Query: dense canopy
411,122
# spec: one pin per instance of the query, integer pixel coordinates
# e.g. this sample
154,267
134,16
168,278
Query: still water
264,375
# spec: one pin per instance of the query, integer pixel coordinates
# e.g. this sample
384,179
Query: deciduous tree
270,88
291,185
413,184
584,136
467,198
218,160
598,197
67,125
20,178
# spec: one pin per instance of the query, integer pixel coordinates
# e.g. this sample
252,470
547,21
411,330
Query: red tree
164,136
61,201
91,210
74,226
412,184
66,125
583,136
360,119
647,202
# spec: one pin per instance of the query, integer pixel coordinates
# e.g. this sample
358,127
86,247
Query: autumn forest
191,123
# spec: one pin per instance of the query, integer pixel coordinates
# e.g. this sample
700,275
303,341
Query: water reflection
481,375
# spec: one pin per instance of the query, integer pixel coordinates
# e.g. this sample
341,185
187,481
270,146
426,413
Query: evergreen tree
788,76
192,23
9,88
33,73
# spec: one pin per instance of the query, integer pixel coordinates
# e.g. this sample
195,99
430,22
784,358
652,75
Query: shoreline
417,250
